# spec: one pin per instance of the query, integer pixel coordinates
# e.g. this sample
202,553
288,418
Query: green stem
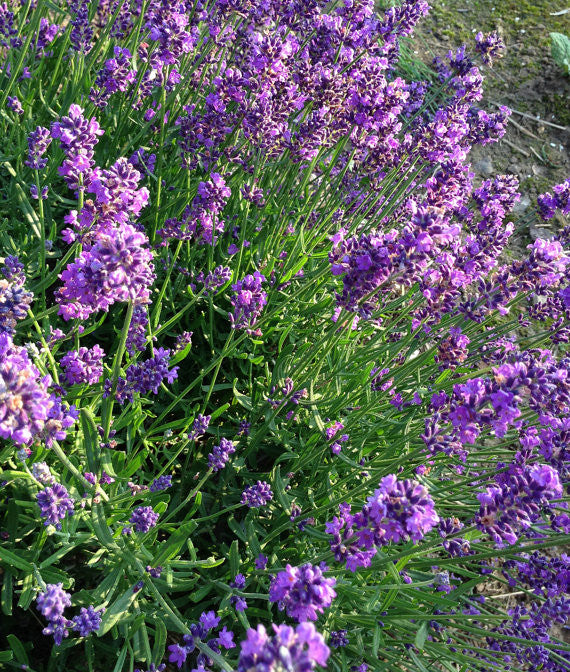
189,497
42,236
159,164
56,448
108,403
217,370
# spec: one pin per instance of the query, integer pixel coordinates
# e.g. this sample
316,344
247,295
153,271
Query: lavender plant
273,393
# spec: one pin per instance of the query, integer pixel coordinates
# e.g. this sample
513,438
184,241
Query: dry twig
516,147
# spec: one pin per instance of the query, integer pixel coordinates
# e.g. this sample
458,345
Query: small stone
540,232
520,206
484,166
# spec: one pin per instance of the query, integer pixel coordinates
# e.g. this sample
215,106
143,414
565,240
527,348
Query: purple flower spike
220,454
199,426
51,604
261,561
55,504
53,601
302,648
83,366
161,483
116,75
15,302
396,512
87,621
78,137
548,203
302,592
118,268
38,143
257,495
144,518
490,46
248,301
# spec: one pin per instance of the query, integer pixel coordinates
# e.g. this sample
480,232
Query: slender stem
108,403
189,497
159,163
217,370
42,236
56,448
45,347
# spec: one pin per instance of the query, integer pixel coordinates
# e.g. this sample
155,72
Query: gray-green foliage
560,46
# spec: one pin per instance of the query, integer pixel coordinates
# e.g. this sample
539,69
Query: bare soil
526,80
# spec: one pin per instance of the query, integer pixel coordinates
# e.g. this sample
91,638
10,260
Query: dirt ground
536,150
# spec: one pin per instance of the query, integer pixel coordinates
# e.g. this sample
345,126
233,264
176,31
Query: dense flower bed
273,393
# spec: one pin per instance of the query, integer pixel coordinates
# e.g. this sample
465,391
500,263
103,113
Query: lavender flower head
87,621
261,561
161,483
490,46
220,454
42,473
514,502
51,604
24,400
15,302
83,366
53,601
199,426
136,338
302,592
302,649
118,268
74,131
12,267
116,75
147,376
144,518
339,638
55,504
81,32
118,197
257,495
402,510
397,511
548,203
78,137
248,301
38,143
60,418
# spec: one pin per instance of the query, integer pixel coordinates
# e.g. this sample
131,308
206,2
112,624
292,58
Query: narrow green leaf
234,558
100,526
159,646
7,593
168,549
27,594
18,649
242,399
90,440
279,486
421,636
9,559
121,660
117,611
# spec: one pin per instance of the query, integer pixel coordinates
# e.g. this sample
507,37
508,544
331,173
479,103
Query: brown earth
537,149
